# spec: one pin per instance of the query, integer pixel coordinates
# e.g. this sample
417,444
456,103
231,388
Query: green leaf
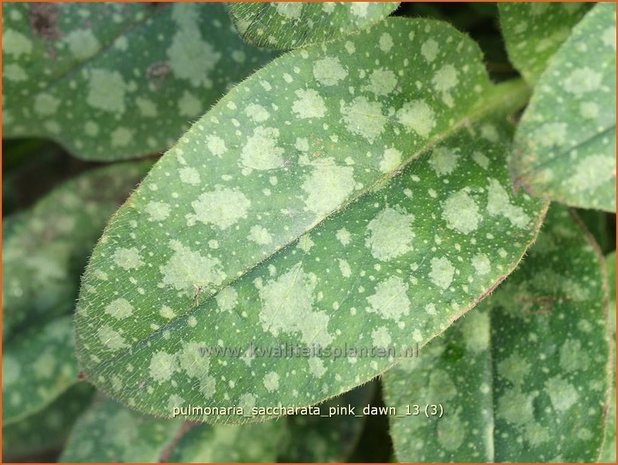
37,367
611,280
523,377
113,81
48,246
286,25
533,32
45,430
608,451
566,141
318,216
109,432
230,443
315,439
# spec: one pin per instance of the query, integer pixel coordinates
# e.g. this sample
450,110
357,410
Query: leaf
522,378
230,443
37,367
113,81
319,229
109,432
608,451
569,155
315,439
533,32
47,429
286,25
611,280
49,245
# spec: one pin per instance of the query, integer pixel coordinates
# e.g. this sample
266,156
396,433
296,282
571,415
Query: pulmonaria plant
354,214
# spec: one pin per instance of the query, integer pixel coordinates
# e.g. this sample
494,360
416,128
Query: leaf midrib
560,156
511,95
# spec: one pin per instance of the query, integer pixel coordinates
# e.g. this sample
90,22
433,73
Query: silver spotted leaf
287,25
608,451
109,432
534,31
345,206
45,430
46,247
254,443
315,439
521,378
37,366
565,144
114,81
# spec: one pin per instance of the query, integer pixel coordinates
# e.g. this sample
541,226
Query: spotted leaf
566,141
46,247
533,32
286,25
255,443
109,432
314,439
37,367
45,430
522,378
349,211
112,80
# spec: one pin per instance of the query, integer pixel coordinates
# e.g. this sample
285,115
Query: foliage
355,181
569,155
145,73
538,344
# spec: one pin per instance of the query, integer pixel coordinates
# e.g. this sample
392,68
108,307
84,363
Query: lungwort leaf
116,80
286,25
566,141
37,367
534,31
109,432
45,430
360,208
47,246
524,376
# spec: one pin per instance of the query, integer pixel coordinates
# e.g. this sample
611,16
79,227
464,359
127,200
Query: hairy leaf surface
113,81
286,25
565,144
342,212
45,248
109,432
524,376
45,430
37,367
314,439
533,32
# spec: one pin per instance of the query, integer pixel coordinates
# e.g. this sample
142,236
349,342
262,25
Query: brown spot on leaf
44,20
157,73
537,305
